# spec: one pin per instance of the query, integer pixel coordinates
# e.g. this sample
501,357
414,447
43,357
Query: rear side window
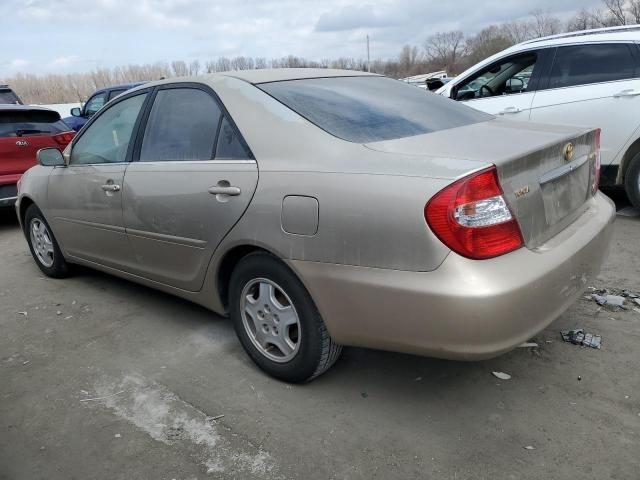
115,93
230,145
371,109
24,123
182,125
585,64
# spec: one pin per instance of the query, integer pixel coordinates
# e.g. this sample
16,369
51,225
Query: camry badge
567,152
22,143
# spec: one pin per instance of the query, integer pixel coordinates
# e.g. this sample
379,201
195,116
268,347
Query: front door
593,86
505,88
85,198
192,178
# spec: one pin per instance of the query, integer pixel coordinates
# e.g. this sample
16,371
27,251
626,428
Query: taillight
64,138
472,218
595,182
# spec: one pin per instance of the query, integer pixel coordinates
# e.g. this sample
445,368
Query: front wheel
632,181
277,322
43,245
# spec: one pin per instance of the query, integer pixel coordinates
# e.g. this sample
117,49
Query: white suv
588,78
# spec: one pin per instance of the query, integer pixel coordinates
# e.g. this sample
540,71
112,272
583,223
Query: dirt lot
104,379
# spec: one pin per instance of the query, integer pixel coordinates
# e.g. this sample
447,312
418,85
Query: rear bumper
465,309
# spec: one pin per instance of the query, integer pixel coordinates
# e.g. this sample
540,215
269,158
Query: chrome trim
556,173
9,201
100,226
162,237
185,162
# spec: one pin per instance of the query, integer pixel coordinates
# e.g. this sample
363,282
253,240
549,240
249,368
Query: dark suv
9,96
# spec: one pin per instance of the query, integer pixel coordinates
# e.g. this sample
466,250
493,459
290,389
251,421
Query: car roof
16,107
125,86
625,33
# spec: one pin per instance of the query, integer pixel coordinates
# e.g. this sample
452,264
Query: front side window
370,108
502,78
585,64
107,139
94,104
182,125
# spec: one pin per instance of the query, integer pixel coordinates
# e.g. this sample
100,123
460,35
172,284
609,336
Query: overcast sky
45,36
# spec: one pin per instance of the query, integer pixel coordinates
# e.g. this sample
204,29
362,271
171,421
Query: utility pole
368,56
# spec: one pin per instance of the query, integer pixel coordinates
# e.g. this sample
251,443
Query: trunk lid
23,132
545,187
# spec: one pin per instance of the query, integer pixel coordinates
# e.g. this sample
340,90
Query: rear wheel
277,322
43,245
632,181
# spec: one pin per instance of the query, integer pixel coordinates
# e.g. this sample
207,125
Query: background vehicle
80,116
370,223
23,131
589,78
9,96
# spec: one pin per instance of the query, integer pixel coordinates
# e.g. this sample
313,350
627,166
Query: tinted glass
584,64
24,123
182,125
370,109
106,140
502,78
7,96
95,104
230,146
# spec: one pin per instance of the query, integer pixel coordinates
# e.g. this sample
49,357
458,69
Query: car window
502,78
106,140
182,125
370,108
94,104
230,145
585,64
7,96
115,93
25,123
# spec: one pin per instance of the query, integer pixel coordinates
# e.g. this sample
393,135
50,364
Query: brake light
64,138
595,183
472,218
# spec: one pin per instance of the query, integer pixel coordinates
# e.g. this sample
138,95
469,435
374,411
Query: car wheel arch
25,203
632,151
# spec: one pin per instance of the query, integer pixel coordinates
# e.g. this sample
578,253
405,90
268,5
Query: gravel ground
104,379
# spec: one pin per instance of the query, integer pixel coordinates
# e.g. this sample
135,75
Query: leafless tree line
451,51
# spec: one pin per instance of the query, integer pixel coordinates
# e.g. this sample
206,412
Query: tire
43,244
266,295
632,181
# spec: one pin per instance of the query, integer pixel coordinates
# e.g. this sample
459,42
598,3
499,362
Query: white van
587,78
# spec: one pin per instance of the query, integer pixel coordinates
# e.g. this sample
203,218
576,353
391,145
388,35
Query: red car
24,130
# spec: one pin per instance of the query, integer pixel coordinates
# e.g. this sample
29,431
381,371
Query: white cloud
63,62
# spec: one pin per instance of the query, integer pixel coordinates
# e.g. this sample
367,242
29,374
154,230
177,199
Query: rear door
192,179
505,87
85,198
593,85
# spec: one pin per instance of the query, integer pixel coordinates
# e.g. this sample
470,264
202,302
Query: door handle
225,190
111,187
627,93
509,110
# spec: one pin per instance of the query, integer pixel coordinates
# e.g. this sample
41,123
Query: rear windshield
7,96
371,109
23,123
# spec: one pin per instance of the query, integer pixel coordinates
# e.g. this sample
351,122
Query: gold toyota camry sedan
323,208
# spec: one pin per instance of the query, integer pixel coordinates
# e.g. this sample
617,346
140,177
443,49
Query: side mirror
50,157
76,112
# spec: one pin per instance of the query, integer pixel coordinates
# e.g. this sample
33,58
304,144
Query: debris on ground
117,435
579,337
528,345
23,313
529,447
501,375
630,294
615,301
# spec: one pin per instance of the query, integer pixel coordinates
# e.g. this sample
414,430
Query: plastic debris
579,337
630,294
609,300
529,447
501,375
23,313
528,345
117,435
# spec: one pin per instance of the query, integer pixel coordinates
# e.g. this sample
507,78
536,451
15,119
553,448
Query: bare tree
634,10
616,11
582,20
544,24
444,49
518,30
179,68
